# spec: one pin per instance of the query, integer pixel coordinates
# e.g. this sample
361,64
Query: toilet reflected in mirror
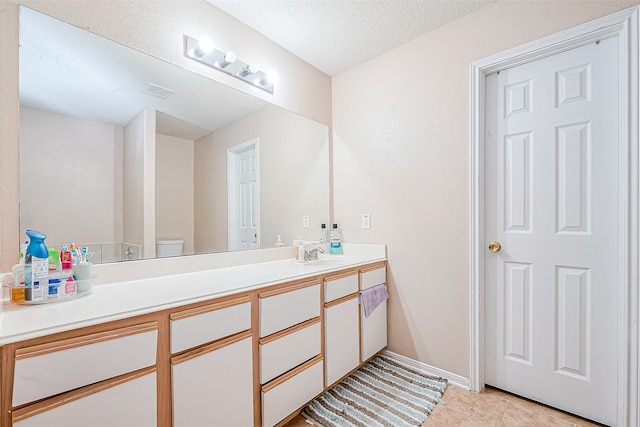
169,248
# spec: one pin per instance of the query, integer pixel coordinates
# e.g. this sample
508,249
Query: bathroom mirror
120,150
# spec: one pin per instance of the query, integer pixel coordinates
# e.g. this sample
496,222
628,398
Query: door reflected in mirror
120,150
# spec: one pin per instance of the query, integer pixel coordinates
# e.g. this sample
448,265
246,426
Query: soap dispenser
299,250
279,243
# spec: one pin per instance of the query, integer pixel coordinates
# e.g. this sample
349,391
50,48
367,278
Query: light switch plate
305,221
366,220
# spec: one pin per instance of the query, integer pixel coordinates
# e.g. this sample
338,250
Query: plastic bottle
279,243
335,243
36,267
299,250
68,283
323,233
17,291
55,269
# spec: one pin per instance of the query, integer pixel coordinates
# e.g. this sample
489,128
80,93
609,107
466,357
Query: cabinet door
342,351
373,331
214,387
130,403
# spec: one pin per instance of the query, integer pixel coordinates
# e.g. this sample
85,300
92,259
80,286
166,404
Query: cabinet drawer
284,308
284,353
129,403
283,399
372,277
340,286
200,325
48,369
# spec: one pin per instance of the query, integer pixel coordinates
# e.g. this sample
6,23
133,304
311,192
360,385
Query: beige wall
155,27
139,182
294,181
71,178
401,152
174,190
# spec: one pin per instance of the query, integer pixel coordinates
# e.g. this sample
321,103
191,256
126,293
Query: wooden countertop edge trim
375,266
285,289
208,308
351,272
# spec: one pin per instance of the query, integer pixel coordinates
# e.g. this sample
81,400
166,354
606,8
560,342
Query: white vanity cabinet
373,329
341,326
212,372
250,358
291,364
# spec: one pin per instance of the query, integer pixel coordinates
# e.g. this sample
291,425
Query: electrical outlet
305,221
366,220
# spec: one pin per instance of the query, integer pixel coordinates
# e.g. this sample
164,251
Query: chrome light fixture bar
204,52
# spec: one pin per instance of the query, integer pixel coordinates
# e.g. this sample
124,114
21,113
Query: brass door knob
495,247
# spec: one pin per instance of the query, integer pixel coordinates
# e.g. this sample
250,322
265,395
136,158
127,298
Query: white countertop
125,299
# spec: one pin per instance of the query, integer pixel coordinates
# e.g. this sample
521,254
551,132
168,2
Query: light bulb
229,58
271,77
205,46
249,69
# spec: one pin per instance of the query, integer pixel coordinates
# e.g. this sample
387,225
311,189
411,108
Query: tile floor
492,407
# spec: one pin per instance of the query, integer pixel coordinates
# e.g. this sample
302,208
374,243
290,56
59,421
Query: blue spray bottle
36,267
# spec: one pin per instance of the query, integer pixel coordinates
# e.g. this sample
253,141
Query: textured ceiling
335,35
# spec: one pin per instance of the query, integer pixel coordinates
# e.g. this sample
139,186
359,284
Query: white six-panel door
551,302
247,199
243,196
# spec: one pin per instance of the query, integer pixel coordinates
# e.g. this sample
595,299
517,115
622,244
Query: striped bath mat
381,393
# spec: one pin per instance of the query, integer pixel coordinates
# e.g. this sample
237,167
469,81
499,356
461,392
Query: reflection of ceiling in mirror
68,70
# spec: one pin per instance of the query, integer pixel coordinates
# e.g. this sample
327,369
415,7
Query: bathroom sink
330,260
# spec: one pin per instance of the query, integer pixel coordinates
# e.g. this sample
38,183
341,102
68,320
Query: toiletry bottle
279,243
299,250
323,233
17,291
55,271
36,267
335,244
68,283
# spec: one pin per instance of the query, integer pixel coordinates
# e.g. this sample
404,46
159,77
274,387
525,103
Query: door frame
623,24
232,187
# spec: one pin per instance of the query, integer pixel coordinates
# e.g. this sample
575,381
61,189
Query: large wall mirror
120,151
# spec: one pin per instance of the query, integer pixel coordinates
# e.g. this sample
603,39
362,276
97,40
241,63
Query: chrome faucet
313,254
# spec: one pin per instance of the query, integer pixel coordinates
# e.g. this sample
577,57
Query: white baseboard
453,379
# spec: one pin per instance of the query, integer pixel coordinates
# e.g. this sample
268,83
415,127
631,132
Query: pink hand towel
372,297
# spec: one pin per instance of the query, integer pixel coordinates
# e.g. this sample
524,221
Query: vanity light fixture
203,51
